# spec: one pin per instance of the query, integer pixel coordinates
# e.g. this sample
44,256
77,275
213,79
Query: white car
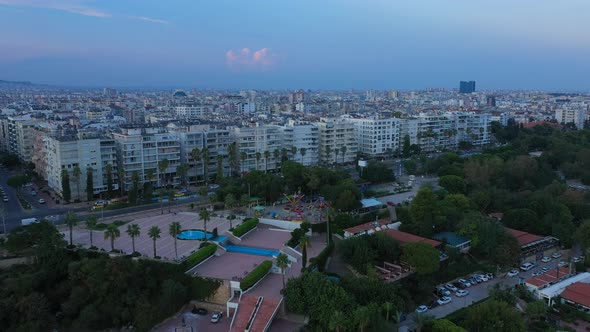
444,300
451,287
216,317
562,263
546,259
556,254
422,309
465,282
5,199
527,266
513,273
33,193
576,259
41,201
545,269
462,292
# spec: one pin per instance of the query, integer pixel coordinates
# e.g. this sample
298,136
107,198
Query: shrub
101,226
245,227
200,255
118,205
119,223
258,273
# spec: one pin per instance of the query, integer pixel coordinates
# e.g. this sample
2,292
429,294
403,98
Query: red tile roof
367,226
404,237
523,238
547,278
578,292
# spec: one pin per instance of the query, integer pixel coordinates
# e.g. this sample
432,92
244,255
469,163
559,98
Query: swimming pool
252,251
193,234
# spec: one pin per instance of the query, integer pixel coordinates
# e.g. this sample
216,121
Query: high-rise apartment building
190,112
303,139
336,134
377,137
567,115
466,86
259,147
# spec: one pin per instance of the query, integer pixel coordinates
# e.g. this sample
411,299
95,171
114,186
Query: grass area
102,226
23,202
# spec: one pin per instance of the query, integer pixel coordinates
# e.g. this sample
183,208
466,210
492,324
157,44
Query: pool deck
229,266
266,237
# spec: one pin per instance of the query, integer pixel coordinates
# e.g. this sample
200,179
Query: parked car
513,273
444,300
546,259
527,266
216,317
490,276
5,199
462,292
465,282
473,281
41,201
562,263
451,287
199,311
459,285
544,269
556,254
576,259
390,203
422,309
33,193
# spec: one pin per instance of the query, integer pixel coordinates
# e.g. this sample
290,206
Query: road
480,292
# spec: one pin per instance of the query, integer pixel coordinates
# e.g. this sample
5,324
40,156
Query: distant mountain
15,83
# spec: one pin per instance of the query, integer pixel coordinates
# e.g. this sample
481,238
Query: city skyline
267,45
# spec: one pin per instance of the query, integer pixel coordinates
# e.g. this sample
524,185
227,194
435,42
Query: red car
390,203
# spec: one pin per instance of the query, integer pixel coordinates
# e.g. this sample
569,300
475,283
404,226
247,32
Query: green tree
91,222
453,184
112,233
362,317
174,229
219,168
406,146
182,171
206,161
445,325
76,172
276,154
493,316
71,220
230,201
154,234
421,320
133,231
243,157
422,257
424,211
204,215
162,167
536,310
121,178
196,155
387,308
582,236
302,152
266,157
343,149
258,157
89,183
282,262
233,157
328,154
65,185
109,171
304,242
337,321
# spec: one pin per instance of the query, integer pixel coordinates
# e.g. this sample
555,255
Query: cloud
70,6
148,19
246,59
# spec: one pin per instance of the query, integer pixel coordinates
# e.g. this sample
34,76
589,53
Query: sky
281,44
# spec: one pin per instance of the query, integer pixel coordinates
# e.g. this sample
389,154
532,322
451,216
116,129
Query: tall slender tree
336,152
258,157
243,157
293,152
328,154
266,157
121,178
91,222
276,153
196,155
65,186
77,173
71,219
162,167
343,149
174,229
302,151
232,150
204,215
89,183
112,233
182,171
154,234
304,242
133,231
109,171
219,168
206,161
282,263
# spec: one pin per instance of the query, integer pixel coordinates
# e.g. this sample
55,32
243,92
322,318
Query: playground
294,207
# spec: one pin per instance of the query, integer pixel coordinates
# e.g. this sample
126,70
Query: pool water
252,251
193,235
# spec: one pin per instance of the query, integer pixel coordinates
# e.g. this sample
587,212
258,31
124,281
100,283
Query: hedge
256,274
200,255
245,227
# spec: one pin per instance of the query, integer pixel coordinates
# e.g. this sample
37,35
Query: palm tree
276,154
304,242
302,151
196,155
174,229
258,157
283,263
182,171
243,157
204,215
343,150
77,173
387,307
230,218
206,160
284,155
162,167
133,231
337,321
328,154
398,315
336,151
154,234
266,157
121,176
91,222
232,150
71,221
293,152
112,232
362,317
219,167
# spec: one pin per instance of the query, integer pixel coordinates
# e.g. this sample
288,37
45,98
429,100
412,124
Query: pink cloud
246,59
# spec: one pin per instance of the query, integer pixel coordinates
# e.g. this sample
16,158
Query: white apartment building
336,134
576,116
142,149
217,142
304,139
264,141
377,137
20,136
191,112
67,153
246,107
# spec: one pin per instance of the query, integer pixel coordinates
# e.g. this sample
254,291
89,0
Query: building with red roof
577,295
368,228
534,247
405,238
